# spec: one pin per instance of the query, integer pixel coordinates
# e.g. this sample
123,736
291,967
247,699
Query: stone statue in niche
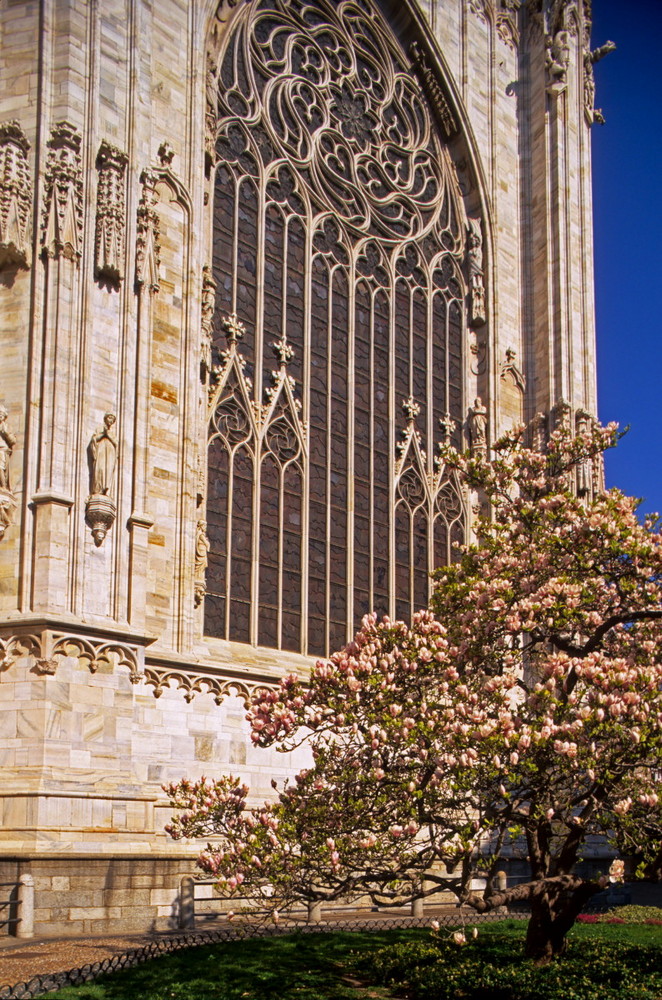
7,442
584,472
478,428
100,508
476,279
7,498
202,547
557,60
103,448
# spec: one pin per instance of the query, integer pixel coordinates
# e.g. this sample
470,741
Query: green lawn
605,962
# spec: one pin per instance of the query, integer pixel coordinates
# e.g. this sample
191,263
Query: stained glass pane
333,218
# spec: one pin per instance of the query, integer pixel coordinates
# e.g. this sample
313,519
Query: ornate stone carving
148,247
192,683
592,113
535,19
100,508
110,219
584,471
49,647
15,196
208,307
447,425
557,57
433,90
538,430
211,77
507,17
478,428
13,647
92,653
561,414
103,448
44,666
62,218
165,155
512,369
201,559
478,351
475,267
481,8
7,499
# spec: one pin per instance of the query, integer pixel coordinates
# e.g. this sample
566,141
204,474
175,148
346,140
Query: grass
295,967
605,961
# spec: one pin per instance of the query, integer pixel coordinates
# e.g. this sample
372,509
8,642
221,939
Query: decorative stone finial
165,154
411,409
447,425
283,351
233,328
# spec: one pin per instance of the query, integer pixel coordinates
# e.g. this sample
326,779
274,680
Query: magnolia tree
520,715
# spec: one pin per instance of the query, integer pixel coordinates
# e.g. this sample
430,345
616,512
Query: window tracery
339,241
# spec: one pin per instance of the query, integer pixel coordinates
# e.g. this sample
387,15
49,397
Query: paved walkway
20,960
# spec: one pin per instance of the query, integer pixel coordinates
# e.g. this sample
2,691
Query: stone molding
432,88
201,682
48,647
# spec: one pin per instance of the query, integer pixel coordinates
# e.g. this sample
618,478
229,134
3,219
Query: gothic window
338,242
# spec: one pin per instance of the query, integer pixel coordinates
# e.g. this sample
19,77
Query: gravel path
21,960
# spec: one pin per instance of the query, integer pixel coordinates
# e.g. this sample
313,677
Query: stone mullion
351,438
391,443
279,611
258,381
371,468
305,479
412,581
329,414
228,536
432,443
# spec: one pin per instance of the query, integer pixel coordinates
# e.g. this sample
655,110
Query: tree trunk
554,910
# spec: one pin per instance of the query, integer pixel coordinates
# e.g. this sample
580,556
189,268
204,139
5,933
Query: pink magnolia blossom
521,713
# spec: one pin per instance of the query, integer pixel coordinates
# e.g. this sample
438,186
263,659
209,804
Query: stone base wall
75,896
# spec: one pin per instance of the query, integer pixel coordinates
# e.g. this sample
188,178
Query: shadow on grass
296,967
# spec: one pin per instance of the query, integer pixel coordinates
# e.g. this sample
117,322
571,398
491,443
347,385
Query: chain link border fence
41,985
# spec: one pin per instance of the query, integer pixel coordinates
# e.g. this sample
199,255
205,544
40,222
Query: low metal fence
41,985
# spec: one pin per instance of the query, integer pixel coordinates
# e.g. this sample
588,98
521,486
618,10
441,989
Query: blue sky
627,206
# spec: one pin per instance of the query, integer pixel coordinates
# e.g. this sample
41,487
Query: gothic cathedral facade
258,260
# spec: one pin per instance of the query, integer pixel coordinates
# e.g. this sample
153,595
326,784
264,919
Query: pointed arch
340,227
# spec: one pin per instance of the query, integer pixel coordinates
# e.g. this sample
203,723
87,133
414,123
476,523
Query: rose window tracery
338,228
